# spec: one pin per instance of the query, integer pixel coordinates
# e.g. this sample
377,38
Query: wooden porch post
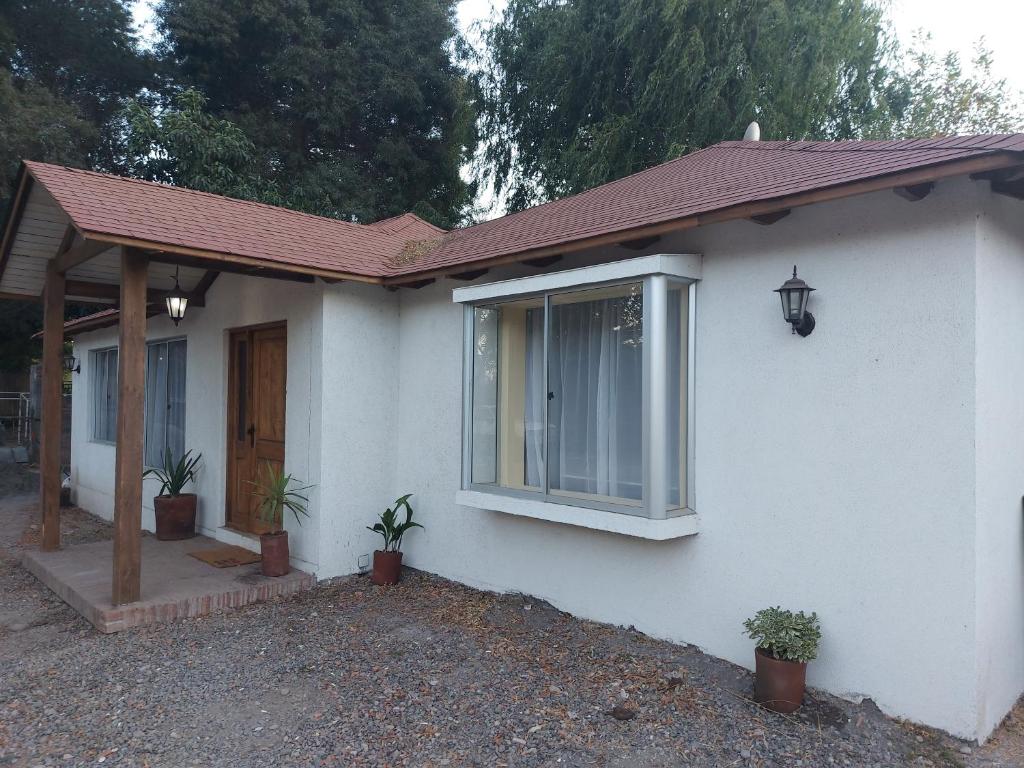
131,364
52,407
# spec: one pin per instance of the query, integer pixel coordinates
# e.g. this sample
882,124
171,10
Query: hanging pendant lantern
177,301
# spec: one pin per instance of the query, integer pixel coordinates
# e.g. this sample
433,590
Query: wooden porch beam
198,298
78,254
131,367
52,407
90,290
160,257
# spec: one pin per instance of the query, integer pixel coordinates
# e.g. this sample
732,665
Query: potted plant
276,494
786,641
387,562
175,511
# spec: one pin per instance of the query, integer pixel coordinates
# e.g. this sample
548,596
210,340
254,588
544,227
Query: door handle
252,435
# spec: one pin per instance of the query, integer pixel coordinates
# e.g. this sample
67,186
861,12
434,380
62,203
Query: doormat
227,556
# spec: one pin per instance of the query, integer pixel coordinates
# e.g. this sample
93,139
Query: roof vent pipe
753,132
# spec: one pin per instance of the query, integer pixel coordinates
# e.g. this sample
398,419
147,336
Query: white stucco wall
833,473
232,301
999,548
837,473
359,420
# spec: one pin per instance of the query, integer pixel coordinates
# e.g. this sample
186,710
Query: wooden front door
256,418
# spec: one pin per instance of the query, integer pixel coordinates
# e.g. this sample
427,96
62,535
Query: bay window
580,394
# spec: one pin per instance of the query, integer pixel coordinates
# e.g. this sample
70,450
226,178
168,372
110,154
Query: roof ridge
954,142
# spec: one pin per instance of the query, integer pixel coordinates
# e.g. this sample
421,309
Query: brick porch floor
174,585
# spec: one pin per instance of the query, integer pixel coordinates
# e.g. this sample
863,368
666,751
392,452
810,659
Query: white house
597,401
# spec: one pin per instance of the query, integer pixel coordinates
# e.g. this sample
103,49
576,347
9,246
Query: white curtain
595,380
104,395
165,401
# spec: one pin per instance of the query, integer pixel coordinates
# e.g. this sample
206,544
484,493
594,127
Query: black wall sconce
794,294
71,364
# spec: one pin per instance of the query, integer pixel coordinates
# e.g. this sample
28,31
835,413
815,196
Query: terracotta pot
274,547
175,516
779,684
387,567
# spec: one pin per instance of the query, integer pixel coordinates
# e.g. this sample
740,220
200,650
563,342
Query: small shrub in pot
785,642
175,511
276,495
387,562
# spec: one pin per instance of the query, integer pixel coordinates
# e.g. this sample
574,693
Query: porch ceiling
38,237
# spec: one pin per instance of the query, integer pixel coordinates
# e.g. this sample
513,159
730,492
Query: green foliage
356,108
175,475
576,94
389,526
941,99
184,145
275,495
66,68
784,634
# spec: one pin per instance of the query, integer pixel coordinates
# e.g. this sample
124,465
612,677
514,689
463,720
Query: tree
941,99
579,93
66,68
357,108
184,145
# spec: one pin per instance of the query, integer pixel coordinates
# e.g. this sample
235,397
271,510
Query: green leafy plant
389,526
174,475
784,634
276,495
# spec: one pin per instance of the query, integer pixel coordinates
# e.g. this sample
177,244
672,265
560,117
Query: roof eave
989,162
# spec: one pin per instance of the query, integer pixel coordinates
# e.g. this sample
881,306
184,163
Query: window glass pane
595,402
156,404
176,397
165,401
485,395
104,395
508,400
676,411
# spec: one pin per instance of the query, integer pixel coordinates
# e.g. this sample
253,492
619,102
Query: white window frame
657,273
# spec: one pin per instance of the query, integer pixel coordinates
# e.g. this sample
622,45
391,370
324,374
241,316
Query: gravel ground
428,673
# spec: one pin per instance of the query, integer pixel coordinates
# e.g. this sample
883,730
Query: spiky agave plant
389,526
276,495
174,475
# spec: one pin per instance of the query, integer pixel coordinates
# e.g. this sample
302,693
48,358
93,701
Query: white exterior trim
583,517
685,266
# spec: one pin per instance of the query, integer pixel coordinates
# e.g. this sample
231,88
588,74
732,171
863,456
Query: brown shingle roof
722,176
103,204
719,178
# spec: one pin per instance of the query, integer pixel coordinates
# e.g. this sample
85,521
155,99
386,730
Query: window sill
582,517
